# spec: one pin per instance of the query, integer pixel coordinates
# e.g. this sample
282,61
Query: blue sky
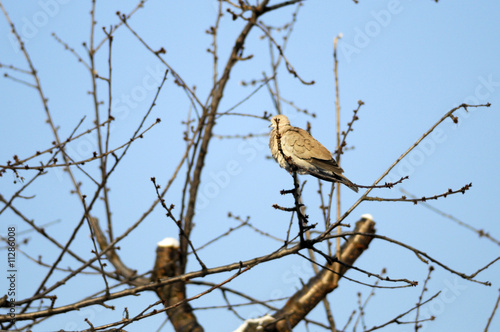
409,61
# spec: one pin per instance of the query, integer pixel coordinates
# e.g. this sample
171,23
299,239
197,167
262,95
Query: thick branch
306,299
113,257
166,266
216,96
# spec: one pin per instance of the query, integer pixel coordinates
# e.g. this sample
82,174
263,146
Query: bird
302,153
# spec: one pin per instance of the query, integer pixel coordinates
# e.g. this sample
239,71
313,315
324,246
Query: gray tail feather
349,184
336,178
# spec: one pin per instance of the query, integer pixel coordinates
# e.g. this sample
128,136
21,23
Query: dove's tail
336,178
348,183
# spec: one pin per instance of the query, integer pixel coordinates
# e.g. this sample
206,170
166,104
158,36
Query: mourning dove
304,152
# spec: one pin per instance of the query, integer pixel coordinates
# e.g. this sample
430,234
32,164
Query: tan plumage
307,154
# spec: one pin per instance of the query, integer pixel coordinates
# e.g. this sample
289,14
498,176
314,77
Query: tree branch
306,299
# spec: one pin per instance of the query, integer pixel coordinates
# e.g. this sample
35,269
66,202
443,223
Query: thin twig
81,162
422,199
480,232
171,216
492,314
396,319
424,289
384,174
337,116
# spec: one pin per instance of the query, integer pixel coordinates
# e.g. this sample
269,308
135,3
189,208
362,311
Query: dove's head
279,120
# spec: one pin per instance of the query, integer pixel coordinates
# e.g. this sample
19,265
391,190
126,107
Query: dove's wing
300,144
312,157
309,155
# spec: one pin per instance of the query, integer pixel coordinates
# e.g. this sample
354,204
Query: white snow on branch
169,242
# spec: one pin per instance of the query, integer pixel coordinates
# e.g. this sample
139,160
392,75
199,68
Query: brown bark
166,265
306,299
209,117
